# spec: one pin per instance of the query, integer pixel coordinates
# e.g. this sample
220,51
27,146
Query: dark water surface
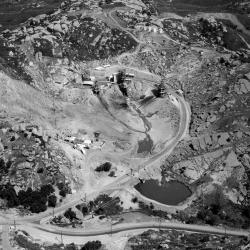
145,146
171,193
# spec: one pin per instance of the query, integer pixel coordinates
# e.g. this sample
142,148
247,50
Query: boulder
15,128
1,146
223,139
65,27
25,153
76,24
243,81
57,27
248,76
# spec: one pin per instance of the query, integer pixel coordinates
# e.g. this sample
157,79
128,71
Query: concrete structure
88,83
130,75
99,68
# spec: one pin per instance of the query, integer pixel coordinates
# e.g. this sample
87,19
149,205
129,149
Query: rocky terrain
167,240
93,95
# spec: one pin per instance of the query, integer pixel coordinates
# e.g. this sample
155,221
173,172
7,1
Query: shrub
85,210
112,174
71,246
104,167
92,245
134,200
8,193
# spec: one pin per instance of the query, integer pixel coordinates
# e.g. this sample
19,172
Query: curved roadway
184,123
144,225
123,180
183,128
118,184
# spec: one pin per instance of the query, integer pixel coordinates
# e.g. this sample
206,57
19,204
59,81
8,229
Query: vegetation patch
94,40
152,239
105,167
25,166
34,200
24,240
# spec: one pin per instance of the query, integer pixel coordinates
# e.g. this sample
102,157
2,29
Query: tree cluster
34,200
219,210
106,205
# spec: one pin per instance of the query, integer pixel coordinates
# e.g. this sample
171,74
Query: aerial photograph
124,125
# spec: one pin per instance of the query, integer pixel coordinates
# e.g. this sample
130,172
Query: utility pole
61,238
74,158
159,223
54,111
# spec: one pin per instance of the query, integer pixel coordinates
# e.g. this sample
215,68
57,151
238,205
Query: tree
52,200
92,245
8,193
202,214
35,200
69,214
62,193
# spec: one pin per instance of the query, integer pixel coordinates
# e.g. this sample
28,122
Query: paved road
117,184
183,129
143,225
5,238
184,123
123,180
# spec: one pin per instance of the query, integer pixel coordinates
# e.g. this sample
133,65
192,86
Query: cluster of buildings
84,143
120,77
127,77
150,28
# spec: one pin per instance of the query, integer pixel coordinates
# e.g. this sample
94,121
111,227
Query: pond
171,193
145,146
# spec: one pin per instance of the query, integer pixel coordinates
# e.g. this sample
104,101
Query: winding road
144,225
34,221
